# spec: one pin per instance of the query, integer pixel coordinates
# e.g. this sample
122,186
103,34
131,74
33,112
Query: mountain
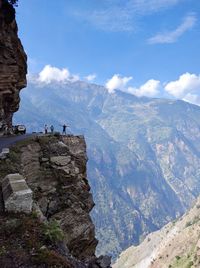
144,154
176,245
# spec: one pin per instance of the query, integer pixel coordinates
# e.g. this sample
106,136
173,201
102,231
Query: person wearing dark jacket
64,132
52,129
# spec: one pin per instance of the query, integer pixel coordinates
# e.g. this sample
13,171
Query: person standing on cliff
52,129
64,129
46,129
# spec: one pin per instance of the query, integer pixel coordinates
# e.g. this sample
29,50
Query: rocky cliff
55,170
13,67
176,245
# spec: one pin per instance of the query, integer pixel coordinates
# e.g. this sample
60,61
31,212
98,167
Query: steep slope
13,66
144,154
176,245
59,226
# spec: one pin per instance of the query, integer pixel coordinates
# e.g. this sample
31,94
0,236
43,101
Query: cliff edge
54,169
13,66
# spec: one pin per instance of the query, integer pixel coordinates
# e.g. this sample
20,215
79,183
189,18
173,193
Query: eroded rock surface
55,170
13,66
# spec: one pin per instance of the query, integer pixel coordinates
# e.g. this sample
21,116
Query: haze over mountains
144,154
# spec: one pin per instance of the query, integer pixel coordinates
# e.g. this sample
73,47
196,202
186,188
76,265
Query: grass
185,261
53,232
23,240
194,221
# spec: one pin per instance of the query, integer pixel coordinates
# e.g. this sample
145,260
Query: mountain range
144,154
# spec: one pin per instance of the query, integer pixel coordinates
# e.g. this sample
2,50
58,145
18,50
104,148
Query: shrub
189,223
34,214
178,258
190,264
53,232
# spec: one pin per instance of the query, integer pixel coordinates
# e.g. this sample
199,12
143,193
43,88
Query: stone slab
61,160
17,195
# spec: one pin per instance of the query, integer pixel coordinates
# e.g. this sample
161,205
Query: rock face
13,66
16,194
55,170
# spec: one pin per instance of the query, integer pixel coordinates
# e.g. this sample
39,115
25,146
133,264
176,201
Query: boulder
17,195
5,150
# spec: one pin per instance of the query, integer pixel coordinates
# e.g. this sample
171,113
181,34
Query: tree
8,9
13,2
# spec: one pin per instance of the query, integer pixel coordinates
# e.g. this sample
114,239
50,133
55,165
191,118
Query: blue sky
140,46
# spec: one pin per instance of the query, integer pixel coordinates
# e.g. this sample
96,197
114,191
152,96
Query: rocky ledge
13,66
54,168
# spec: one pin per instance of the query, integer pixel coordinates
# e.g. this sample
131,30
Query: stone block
5,150
17,195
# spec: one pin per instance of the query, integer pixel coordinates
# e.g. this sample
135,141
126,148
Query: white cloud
146,7
115,15
112,19
117,82
150,89
173,36
187,83
192,98
91,77
51,74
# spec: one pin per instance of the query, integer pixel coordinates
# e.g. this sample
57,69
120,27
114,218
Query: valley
144,154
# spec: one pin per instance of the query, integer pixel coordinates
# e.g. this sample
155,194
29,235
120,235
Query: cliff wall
13,66
55,170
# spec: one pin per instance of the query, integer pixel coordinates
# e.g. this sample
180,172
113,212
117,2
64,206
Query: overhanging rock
16,194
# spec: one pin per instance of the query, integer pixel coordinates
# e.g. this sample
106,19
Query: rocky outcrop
13,66
55,171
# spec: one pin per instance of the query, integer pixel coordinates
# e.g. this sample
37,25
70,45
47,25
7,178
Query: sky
144,47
